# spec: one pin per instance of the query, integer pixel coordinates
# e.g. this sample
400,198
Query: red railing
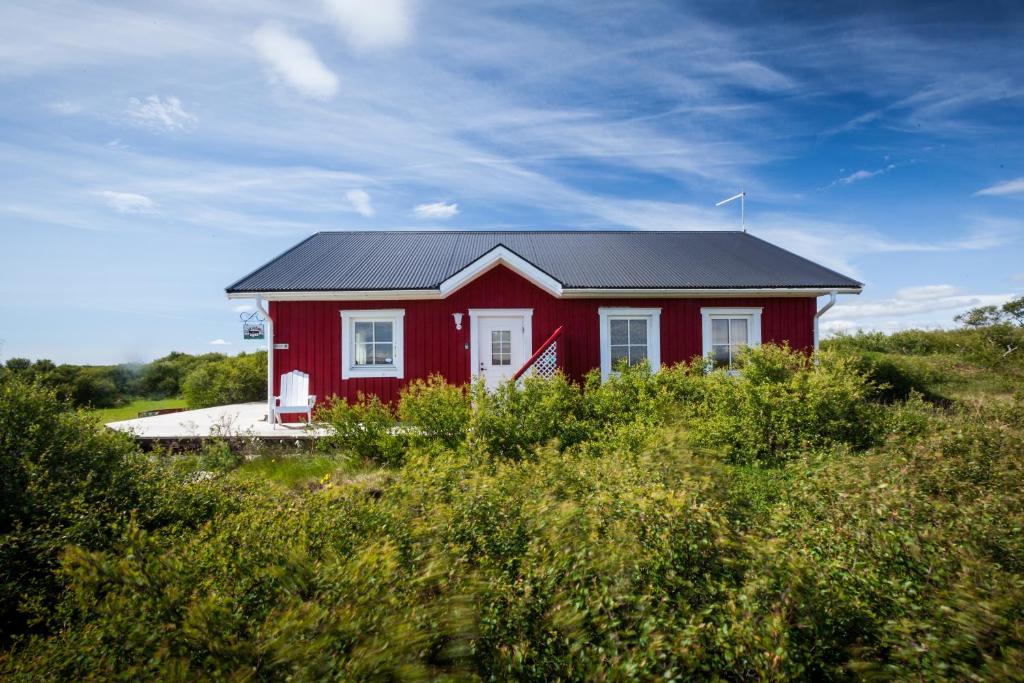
545,359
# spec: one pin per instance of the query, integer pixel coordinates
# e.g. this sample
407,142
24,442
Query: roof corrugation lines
388,260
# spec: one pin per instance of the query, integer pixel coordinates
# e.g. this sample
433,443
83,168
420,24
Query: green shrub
510,421
366,429
783,403
897,377
578,543
435,411
67,481
236,379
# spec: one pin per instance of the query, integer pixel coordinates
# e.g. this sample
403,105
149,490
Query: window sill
369,373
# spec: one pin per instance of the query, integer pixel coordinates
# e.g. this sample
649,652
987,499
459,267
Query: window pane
719,331
637,331
637,354
382,354
619,331
720,355
738,331
364,333
618,353
364,354
381,331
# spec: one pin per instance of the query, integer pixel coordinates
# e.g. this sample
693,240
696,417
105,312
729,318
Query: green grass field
131,410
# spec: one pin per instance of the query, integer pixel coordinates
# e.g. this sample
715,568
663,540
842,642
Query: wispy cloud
294,61
360,202
66,108
439,210
927,306
164,113
370,24
127,202
219,342
902,306
1009,187
862,174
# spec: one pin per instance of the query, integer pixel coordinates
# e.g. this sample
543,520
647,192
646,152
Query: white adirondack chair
295,396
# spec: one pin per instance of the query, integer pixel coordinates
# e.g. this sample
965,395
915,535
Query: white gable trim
504,257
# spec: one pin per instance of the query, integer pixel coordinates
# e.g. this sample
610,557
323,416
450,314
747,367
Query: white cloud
244,308
294,61
1018,277
1015,186
360,201
858,176
901,306
927,292
219,342
372,23
437,210
160,113
66,108
128,202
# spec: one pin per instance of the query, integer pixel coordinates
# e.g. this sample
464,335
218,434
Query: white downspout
821,312
270,359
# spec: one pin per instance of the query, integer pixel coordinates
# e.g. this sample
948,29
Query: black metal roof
385,260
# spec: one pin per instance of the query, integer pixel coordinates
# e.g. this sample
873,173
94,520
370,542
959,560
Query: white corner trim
707,314
653,317
501,256
348,367
474,336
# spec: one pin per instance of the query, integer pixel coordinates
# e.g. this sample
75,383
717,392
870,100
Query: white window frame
751,314
653,318
349,370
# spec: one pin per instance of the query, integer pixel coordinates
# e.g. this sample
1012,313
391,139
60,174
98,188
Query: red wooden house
369,311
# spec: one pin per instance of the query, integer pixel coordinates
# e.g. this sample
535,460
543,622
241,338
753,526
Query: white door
500,347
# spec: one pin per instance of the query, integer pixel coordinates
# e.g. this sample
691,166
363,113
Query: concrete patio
240,420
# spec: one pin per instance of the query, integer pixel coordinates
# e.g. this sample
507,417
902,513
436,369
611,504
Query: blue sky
151,154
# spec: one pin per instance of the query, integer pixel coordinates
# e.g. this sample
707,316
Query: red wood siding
312,330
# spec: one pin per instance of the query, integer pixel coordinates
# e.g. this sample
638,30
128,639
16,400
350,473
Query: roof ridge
563,231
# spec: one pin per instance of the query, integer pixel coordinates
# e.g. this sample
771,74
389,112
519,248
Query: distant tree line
202,380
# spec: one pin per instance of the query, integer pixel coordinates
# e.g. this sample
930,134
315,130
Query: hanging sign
252,331
252,326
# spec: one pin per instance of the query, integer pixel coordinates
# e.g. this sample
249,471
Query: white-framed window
372,343
727,330
630,334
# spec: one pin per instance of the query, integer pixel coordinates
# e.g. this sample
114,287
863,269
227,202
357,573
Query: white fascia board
612,293
350,295
501,256
552,287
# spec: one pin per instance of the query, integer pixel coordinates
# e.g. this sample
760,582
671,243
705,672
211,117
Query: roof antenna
742,196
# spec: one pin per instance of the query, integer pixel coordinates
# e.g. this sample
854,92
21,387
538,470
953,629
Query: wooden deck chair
295,396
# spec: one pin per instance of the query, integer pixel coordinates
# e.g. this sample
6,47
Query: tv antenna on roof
742,196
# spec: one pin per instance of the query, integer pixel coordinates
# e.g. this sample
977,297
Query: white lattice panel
547,363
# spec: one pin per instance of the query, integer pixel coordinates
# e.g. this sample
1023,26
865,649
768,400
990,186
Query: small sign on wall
281,347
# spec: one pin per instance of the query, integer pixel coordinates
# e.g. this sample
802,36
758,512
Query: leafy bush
898,377
366,429
435,411
510,421
165,377
580,543
235,379
783,403
63,480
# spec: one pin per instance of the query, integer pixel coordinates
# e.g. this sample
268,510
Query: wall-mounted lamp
458,320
